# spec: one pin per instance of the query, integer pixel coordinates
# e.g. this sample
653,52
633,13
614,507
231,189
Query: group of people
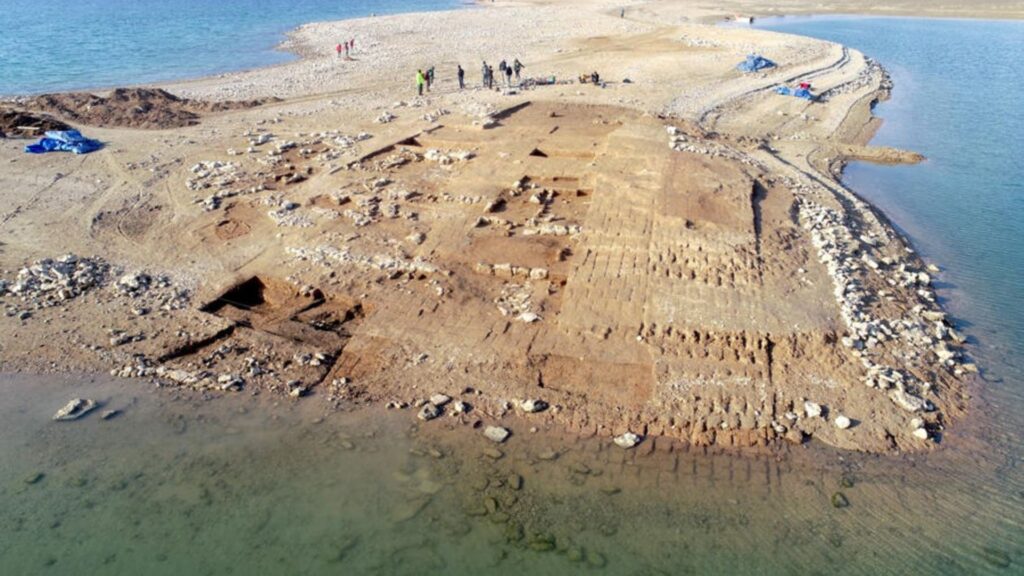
347,46
425,79
504,69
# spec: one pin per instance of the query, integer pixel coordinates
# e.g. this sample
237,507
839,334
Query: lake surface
60,45
179,484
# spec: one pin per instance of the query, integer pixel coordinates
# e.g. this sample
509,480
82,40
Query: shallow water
180,485
76,44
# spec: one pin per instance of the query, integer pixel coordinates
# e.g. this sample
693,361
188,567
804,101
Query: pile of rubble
682,143
515,300
49,282
449,157
327,256
285,213
152,293
837,250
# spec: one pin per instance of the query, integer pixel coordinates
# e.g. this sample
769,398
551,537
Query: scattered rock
534,405
627,440
842,422
839,500
75,409
496,434
812,409
440,400
428,412
920,433
548,455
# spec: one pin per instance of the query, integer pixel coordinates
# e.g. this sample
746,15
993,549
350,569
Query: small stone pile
515,300
449,157
49,282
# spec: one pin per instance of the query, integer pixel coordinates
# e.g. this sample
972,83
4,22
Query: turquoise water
74,44
957,101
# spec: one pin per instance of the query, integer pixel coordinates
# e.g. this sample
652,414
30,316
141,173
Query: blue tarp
64,141
798,92
755,62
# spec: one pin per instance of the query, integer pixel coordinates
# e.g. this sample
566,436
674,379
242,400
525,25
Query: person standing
338,50
502,66
462,77
420,80
490,77
508,76
517,66
430,78
483,74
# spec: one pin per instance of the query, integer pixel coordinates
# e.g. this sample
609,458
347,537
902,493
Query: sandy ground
668,254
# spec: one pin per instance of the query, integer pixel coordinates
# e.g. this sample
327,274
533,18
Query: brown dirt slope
133,108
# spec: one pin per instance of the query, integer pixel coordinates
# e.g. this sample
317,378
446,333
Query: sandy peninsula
665,254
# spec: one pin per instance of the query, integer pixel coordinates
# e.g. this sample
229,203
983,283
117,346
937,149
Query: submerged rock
839,500
996,557
75,409
596,559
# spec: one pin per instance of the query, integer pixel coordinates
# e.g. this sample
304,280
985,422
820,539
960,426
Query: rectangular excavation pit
278,308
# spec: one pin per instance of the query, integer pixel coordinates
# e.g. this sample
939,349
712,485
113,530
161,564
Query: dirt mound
17,123
133,108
